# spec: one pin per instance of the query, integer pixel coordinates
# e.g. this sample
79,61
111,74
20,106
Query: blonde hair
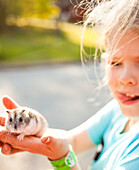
110,17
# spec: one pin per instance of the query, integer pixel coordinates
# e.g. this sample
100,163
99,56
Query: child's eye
115,63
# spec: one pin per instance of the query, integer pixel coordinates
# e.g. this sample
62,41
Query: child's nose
128,77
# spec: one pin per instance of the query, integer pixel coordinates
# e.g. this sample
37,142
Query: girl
117,124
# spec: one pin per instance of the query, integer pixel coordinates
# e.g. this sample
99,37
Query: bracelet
65,163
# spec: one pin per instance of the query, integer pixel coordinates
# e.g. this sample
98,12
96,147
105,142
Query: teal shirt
120,150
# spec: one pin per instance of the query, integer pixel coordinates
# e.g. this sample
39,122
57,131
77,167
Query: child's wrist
65,163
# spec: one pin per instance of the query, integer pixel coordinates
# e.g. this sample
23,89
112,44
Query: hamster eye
20,119
10,119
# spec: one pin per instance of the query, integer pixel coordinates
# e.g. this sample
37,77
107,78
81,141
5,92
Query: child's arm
78,138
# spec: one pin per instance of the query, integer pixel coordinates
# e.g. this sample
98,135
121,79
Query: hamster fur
25,121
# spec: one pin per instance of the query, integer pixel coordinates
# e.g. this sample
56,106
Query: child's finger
1,144
13,151
28,144
58,147
8,150
45,140
9,103
49,140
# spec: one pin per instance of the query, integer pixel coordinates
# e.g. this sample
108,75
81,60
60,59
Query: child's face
123,74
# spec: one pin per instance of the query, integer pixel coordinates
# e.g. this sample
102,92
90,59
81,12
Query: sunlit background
40,68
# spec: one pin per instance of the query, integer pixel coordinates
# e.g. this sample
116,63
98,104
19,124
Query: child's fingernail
6,147
46,140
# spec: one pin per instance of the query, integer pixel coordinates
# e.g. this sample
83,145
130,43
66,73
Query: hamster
24,122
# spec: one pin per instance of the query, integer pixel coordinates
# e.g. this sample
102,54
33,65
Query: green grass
29,44
38,41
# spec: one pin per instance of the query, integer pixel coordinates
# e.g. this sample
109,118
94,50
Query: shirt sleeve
130,159
130,165
98,123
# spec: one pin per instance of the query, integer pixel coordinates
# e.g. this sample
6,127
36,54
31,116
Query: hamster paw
20,137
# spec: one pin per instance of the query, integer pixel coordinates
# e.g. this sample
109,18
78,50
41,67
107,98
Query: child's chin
134,118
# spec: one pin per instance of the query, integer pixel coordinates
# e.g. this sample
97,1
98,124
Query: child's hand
9,104
52,147
54,144
57,142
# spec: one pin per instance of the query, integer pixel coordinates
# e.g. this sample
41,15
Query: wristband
65,163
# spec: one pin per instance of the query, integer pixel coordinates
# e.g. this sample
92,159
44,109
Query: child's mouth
128,99
135,98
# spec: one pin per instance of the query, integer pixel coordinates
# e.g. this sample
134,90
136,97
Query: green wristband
65,163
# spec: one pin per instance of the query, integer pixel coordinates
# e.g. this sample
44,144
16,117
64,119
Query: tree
3,14
70,10
25,8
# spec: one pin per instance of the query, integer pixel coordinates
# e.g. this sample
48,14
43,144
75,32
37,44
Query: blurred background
40,68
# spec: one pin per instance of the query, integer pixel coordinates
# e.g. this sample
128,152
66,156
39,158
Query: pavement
62,93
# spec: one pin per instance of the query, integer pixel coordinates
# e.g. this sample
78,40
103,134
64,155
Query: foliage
36,8
38,40
26,8
29,44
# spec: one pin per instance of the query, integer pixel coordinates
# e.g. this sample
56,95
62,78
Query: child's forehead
127,46
122,39
133,58
109,57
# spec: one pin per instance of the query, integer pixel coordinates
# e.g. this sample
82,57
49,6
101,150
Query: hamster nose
15,126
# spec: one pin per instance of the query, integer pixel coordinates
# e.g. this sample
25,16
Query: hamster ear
23,111
7,111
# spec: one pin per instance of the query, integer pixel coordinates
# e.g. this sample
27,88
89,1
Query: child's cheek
112,79
108,74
